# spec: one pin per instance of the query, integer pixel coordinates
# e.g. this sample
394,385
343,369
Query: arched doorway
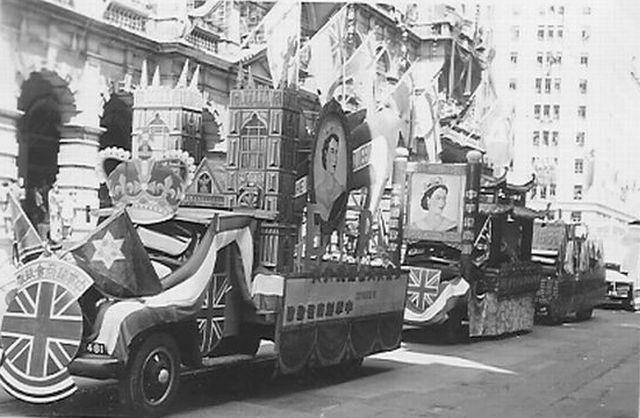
47,104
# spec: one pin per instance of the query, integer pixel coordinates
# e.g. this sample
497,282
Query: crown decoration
434,182
150,188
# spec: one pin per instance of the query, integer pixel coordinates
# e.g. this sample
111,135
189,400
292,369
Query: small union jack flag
423,288
41,333
211,317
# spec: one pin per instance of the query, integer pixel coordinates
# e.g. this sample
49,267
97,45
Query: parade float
573,280
468,237
162,288
623,269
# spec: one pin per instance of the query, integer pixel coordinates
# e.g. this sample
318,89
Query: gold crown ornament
151,189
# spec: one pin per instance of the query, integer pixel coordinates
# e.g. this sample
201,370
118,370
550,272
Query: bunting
324,55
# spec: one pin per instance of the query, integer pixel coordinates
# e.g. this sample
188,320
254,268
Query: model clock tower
261,165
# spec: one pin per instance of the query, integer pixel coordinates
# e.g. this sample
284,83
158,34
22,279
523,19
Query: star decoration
108,250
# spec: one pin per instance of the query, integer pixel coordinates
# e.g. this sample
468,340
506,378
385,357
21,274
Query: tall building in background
565,69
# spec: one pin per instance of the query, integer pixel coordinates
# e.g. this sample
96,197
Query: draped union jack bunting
40,334
423,288
211,317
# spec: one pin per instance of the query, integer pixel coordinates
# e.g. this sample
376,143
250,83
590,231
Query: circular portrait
329,165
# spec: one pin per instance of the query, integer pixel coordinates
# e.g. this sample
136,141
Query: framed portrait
330,165
435,203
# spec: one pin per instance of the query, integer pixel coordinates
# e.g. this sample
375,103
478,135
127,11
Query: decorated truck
161,288
573,280
468,237
623,269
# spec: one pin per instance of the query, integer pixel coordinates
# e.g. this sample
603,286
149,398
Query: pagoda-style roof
507,208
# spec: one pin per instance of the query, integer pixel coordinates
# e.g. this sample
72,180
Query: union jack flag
424,285
41,333
211,317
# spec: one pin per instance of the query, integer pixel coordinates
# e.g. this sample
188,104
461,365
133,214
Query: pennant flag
359,70
482,244
116,260
459,77
27,242
325,54
282,33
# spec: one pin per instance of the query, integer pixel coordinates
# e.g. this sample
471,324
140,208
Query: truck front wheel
152,378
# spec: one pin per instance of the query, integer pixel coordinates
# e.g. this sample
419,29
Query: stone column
9,117
78,155
77,174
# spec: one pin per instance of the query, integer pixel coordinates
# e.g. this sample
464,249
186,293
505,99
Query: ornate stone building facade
73,82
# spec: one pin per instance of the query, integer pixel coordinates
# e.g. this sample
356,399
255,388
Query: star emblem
107,250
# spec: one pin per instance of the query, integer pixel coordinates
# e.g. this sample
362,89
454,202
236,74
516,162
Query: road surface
578,369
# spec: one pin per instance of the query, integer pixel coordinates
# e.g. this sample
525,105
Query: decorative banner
333,297
340,316
429,299
42,330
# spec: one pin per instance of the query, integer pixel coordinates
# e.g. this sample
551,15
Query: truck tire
554,317
153,375
454,332
584,314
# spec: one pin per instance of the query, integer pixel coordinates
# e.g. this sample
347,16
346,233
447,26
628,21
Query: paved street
579,369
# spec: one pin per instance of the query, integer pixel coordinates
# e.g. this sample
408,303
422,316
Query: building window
540,33
513,57
545,138
546,111
543,192
554,138
552,189
253,138
583,86
558,58
536,111
556,112
578,166
584,60
580,139
547,85
577,192
205,184
561,10
512,84
586,10
539,58
585,34
515,33
538,85
556,84
536,138
550,31
560,32
576,216
582,111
